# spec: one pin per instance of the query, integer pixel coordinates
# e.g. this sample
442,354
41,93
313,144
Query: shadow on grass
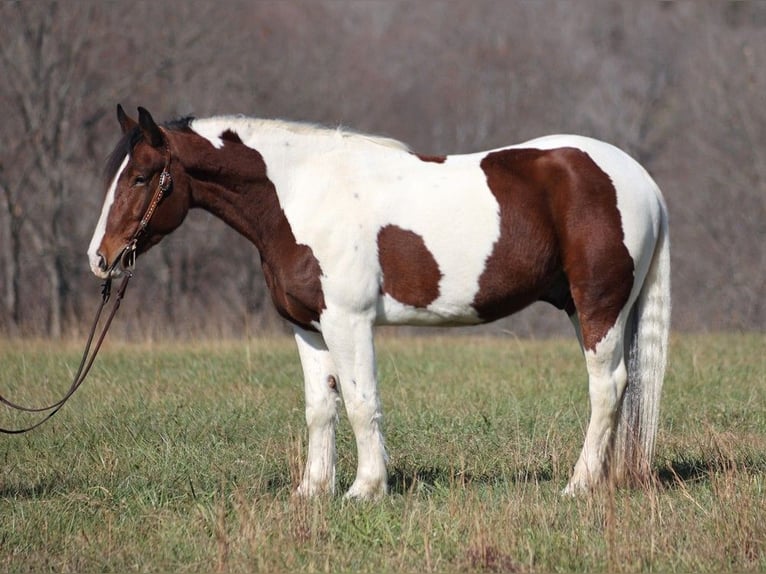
408,479
670,475
277,483
41,489
405,480
701,469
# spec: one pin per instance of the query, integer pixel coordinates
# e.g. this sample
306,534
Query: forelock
125,146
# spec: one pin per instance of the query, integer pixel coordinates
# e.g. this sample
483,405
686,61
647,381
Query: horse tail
646,347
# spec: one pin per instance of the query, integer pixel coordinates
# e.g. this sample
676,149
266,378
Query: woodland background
679,85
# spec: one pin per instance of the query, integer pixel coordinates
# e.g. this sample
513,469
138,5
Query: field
182,458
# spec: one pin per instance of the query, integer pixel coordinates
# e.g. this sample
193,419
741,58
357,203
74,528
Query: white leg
350,340
607,378
322,401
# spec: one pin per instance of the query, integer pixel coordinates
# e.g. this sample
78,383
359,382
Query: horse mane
133,137
305,129
344,132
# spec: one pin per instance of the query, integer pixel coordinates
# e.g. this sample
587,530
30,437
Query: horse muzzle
123,263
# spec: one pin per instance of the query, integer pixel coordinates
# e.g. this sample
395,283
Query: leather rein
127,261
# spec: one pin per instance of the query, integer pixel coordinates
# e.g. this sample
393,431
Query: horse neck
231,183
237,164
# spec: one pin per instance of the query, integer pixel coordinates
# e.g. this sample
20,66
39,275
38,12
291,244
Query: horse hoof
311,491
366,491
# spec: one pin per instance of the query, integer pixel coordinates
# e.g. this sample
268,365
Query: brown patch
231,136
411,275
232,184
561,239
431,158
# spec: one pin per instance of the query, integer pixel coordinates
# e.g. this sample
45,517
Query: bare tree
723,207
13,214
45,90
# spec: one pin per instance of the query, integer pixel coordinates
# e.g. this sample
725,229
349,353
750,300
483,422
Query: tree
44,93
11,243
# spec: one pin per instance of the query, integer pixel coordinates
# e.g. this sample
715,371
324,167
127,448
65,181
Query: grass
182,458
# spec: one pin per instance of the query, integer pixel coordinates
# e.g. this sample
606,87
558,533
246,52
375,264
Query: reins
127,260
85,363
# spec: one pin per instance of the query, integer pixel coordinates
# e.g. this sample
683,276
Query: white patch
98,234
211,131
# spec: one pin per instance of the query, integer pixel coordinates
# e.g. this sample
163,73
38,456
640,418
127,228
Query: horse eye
139,180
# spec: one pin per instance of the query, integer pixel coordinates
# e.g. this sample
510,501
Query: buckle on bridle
128,257
165,180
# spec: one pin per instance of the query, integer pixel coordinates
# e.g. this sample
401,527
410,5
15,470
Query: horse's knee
322,407
363,411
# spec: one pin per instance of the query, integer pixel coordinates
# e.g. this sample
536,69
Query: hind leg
607,378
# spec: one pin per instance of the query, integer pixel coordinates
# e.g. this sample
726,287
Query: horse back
469,239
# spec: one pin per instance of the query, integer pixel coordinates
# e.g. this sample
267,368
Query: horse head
141,205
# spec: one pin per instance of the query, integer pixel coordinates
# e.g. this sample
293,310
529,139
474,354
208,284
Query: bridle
127,261
127,257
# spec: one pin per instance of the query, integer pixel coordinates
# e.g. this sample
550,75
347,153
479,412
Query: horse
355,231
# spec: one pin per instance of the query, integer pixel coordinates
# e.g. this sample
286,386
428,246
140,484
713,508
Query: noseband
127,261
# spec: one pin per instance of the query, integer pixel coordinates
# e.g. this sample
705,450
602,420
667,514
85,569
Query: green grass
182,458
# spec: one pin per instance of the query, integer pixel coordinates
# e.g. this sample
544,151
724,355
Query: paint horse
356,231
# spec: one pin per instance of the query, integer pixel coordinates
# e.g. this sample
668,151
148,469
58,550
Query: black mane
131,139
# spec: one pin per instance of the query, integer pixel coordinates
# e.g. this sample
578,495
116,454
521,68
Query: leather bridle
127,261
127,257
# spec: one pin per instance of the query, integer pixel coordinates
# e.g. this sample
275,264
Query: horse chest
295,286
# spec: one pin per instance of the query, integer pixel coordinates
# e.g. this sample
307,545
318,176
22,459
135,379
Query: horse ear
152,131
126,123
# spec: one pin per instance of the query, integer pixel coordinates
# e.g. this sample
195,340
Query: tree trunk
12,260
54,303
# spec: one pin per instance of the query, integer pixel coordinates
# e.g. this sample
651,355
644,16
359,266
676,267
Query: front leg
349,338
322,401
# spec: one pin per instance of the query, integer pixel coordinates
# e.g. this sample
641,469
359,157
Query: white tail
646,345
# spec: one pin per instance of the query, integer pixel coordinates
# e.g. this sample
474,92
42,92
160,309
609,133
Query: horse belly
392,312
509,295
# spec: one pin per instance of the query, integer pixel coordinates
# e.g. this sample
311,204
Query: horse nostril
101,262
